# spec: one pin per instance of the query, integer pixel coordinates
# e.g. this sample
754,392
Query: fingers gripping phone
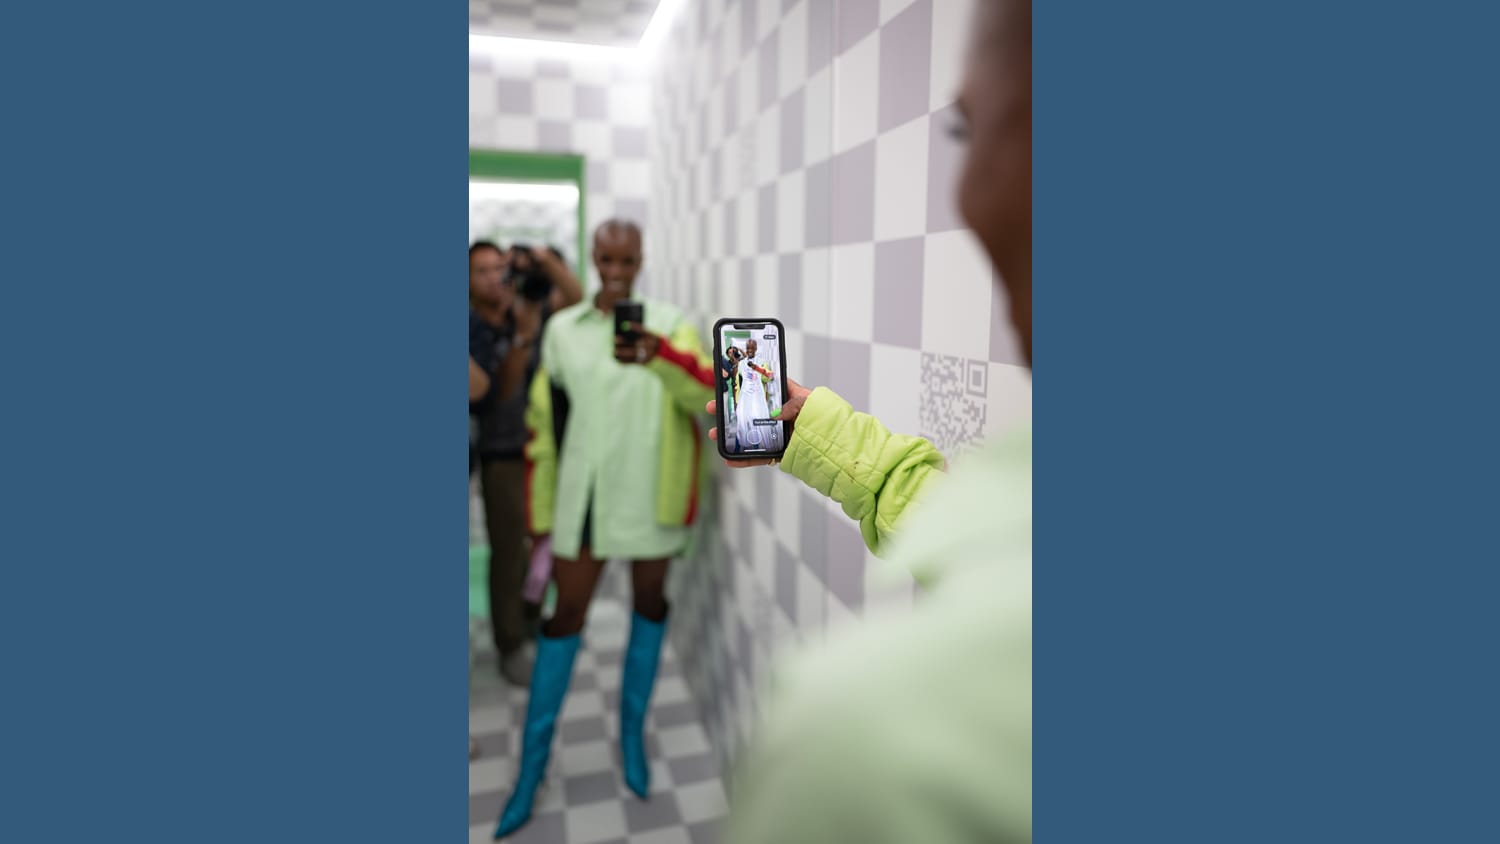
751,387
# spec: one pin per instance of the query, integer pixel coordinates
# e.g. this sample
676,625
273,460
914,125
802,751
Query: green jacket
628,428
851,458
914,729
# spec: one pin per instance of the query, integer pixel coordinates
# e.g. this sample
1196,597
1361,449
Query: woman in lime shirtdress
612,464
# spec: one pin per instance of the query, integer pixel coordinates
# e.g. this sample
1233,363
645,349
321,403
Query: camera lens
536,286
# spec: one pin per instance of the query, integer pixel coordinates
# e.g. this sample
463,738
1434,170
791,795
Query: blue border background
233,599
1266,405
231,588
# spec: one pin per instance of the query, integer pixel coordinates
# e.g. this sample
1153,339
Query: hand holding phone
752,393
789,412
633,343
629,319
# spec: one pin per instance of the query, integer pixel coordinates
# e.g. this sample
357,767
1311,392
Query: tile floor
584,799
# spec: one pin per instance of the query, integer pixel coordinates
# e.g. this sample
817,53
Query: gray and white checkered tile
610,23
802,166
587,106
584,799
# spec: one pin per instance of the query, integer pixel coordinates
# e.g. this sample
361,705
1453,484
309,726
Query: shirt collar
591,312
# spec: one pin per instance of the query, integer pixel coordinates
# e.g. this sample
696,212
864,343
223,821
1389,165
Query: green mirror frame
502,165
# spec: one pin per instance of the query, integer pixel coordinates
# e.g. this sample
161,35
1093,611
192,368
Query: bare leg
575,581
648,585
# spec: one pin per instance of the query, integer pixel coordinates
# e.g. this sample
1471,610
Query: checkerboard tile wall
802,166
597,108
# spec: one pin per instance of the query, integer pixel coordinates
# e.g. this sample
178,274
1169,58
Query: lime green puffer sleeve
853,459
684,370
541,456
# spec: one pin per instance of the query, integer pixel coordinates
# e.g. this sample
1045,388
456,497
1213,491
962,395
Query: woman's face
486,269
995,185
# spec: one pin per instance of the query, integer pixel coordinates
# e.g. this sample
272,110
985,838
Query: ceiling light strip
501,46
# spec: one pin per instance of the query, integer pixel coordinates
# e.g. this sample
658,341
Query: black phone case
628,312
718,385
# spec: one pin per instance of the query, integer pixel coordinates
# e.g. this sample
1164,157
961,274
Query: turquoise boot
549,683
639,676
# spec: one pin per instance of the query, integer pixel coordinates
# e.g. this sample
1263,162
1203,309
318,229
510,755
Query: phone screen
750,388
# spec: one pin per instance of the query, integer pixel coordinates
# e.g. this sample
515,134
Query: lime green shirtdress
915,729
633,437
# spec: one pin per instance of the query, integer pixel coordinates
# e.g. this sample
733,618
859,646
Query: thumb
793,406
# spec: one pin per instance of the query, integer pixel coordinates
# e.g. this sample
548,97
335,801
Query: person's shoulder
570,314
576,309
900,703
978,513
662,313
879,657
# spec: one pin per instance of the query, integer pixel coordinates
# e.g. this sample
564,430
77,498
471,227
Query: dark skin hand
789,413
643,350
566,289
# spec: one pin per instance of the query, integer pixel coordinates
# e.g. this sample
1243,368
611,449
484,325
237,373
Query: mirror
534,213
530,198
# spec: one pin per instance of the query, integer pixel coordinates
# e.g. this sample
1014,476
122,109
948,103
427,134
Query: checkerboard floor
584,799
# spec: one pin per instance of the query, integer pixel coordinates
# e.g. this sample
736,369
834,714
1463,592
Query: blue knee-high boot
641,658
549,683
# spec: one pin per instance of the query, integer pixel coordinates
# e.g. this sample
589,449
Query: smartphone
750,371
629,314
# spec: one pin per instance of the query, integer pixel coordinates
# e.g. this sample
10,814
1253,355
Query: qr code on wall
955,398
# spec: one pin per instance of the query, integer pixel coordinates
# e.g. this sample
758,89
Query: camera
527,275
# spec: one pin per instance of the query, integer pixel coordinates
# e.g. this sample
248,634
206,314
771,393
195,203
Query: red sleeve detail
686,362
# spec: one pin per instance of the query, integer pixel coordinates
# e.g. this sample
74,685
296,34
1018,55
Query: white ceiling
610,23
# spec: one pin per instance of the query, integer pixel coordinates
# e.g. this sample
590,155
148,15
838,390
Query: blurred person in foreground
917,730
505,327
612,474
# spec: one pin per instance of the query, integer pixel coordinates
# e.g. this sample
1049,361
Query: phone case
719,385
628,312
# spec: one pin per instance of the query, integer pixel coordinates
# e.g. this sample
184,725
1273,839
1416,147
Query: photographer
511,296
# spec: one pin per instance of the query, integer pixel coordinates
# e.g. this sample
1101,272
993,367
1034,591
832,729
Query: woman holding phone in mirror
612,468
750,396
919,729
